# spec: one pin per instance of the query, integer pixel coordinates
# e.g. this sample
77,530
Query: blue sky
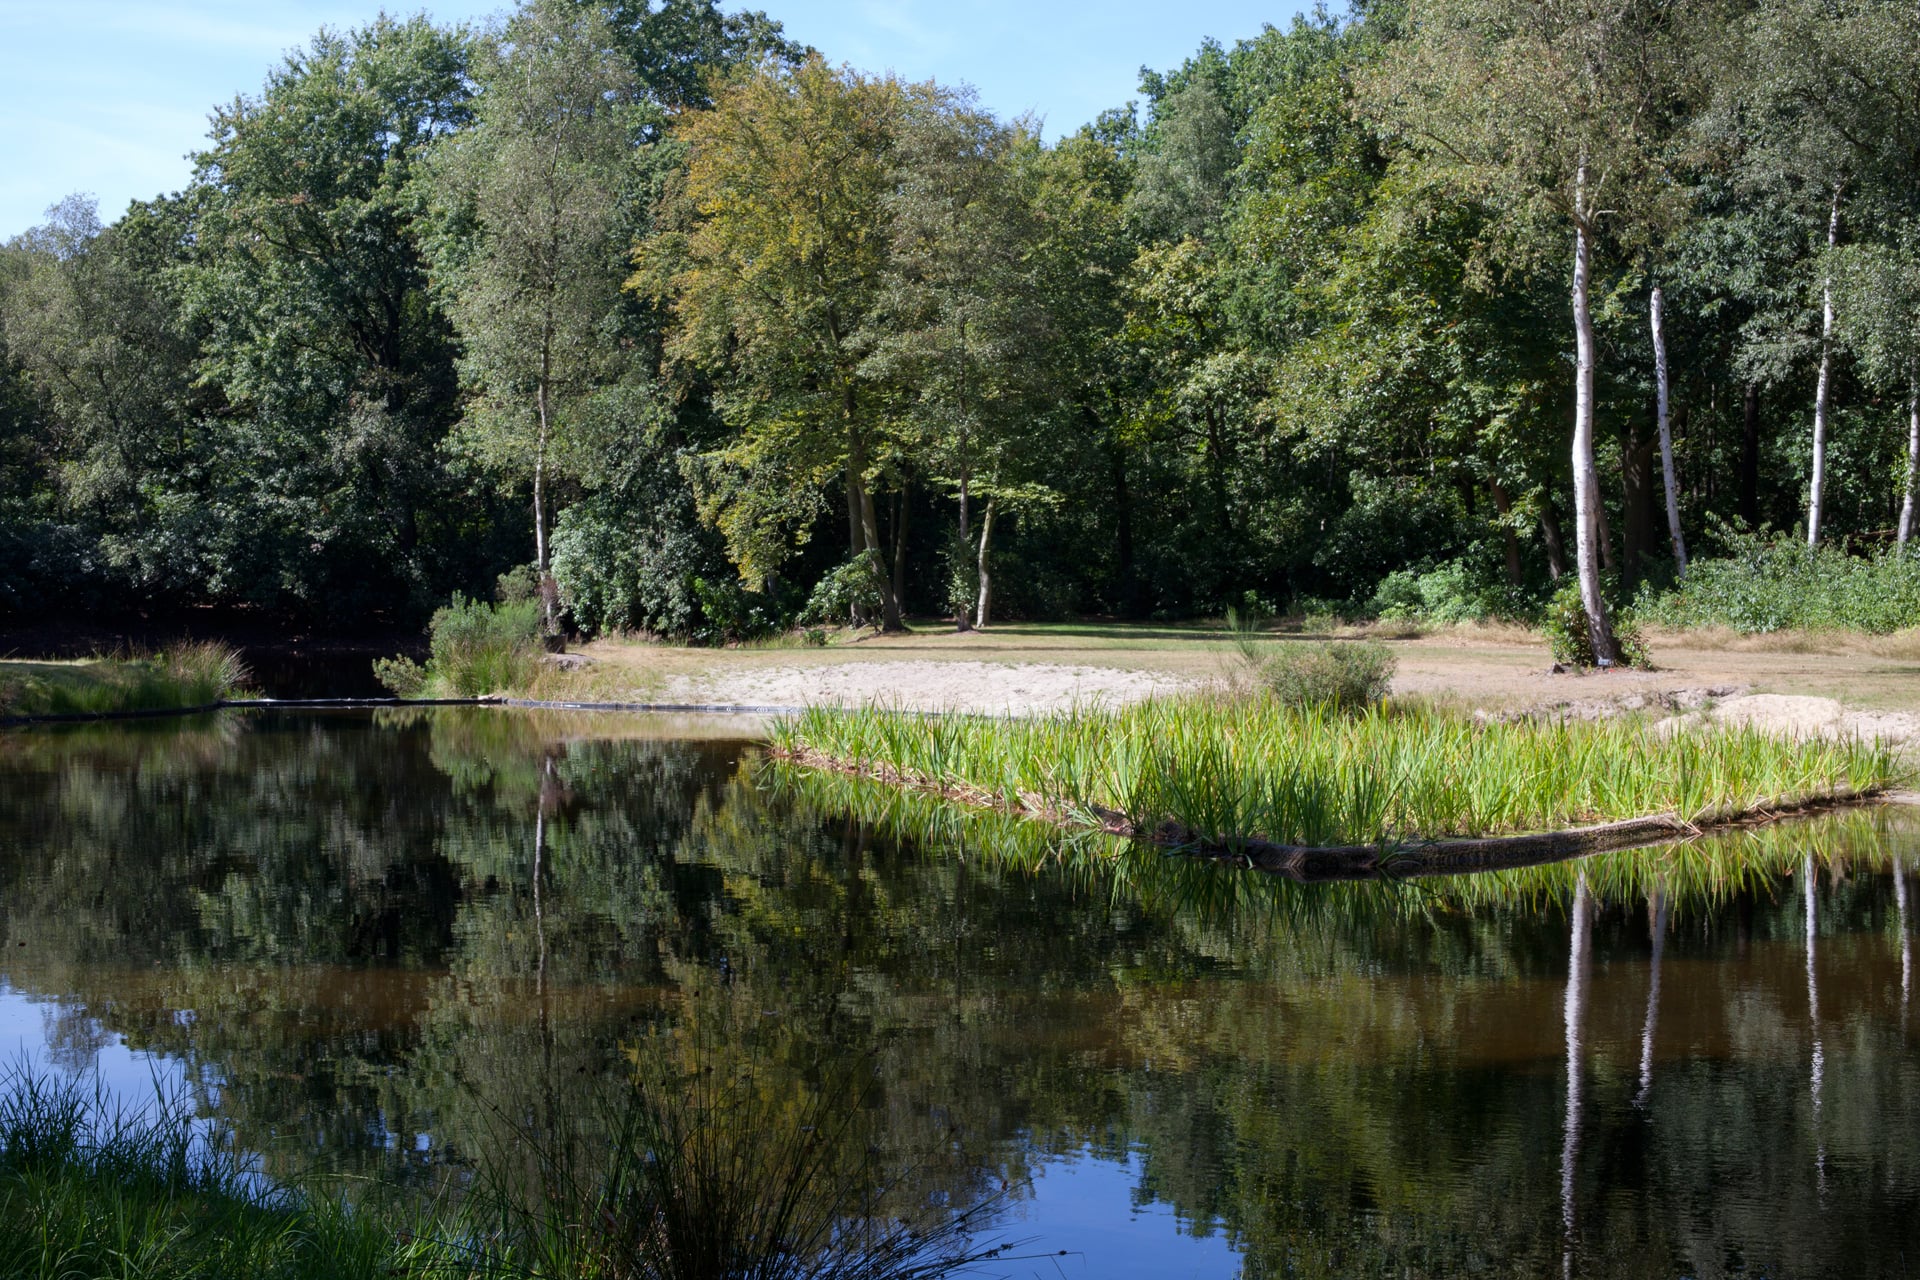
109,96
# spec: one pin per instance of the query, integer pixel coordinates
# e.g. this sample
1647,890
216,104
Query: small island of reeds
182,677
1291,788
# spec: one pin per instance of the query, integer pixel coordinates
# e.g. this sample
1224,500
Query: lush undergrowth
1762,586
694,1175
1228,768
87,1189
188,675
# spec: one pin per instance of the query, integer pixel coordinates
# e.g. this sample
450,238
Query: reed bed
1228,770
186,675
91,1188
1694,876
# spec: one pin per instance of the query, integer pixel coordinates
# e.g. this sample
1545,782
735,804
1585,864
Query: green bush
1338,675
1570,639
474,648
859,585
478,648
1450,593
1764,585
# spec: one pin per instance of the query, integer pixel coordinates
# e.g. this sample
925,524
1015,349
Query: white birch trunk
1822,393
1657,925
1579,962
986,582
1666,434
540,512
1913,450
1586,479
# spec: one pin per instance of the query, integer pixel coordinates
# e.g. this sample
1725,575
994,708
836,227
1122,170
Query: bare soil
1795,683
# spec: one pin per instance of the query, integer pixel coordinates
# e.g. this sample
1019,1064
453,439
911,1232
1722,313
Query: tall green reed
1230,768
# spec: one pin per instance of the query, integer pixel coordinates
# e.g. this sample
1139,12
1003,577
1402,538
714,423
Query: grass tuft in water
89,1188
1227,769
186,675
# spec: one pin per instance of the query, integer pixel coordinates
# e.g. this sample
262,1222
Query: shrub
730,612
1338,675
475,648
479,648
1450,593
628,562
1763,585
1571,641
858,586
402,676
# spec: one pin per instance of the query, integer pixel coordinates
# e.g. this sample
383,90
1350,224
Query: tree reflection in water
397,934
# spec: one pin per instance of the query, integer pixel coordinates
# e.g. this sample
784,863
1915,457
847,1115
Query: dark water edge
359,938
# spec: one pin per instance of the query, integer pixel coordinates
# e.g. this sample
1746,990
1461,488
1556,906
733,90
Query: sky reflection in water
351,935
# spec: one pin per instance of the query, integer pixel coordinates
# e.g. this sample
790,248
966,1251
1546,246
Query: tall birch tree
1557,114
534,202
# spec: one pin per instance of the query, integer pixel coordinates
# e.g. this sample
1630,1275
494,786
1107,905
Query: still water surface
359,939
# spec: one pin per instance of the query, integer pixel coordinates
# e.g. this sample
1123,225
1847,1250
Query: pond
416,944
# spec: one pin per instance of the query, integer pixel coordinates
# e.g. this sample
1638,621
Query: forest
1432,306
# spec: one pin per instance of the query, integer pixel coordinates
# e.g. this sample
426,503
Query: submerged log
1403,859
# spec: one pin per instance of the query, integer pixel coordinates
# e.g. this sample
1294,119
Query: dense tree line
1441,300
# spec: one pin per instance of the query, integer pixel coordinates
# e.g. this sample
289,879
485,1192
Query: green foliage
849,593
1245,767
480,648
731,613
188,675
90,1188
1301,330
628,557
475,649
1776,584
1340,675
1570,638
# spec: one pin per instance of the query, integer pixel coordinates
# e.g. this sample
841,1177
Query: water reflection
362,939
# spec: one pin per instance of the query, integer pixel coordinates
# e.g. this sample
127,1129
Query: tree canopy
1354,314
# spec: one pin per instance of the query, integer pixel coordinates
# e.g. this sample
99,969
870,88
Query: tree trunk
900,503
547,621
1550,536
1123,535
1822,393
870,530
1503,504
1586,479
856,503
1603,533
1667,475
1913,450
1750,457
963,616
983,601
1637,514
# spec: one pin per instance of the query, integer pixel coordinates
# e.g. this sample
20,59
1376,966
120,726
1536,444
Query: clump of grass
88,1188
1338,675
1342,676
475,648
186,675
1228,769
